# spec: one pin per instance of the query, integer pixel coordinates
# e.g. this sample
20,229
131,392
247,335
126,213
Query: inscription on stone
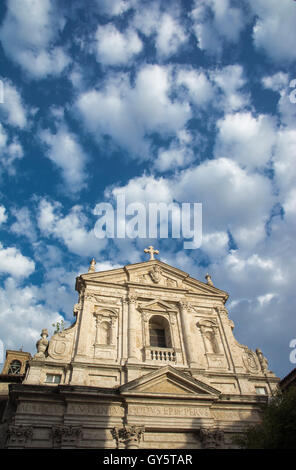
101,410
182,411
41,408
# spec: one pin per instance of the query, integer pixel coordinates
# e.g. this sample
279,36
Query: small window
15,367
53,378
261,390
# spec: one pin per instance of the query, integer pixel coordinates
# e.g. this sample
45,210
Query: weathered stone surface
104,382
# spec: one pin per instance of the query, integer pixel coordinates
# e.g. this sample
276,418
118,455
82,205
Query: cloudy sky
179,101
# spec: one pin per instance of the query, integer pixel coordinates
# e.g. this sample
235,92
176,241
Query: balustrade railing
161,354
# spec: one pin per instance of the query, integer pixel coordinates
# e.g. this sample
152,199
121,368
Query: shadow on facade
82,417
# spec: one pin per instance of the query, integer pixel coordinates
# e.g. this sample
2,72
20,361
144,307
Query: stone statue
42,344
209,280
92,268
210,341
263,361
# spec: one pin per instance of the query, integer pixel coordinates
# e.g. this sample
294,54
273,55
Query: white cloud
24,224
14,263
279,82
201,90
232,198
274,30
114,47
284,161
71,229
163,27
23,316
64,150
215,21
129,113
276,82
179,154
113,7
246,139
3,215
28,35
12,108
10,149
230,80
215,244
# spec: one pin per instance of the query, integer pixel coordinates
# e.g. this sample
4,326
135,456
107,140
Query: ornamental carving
127,436
250,362
155,274
19,434
211,438
69,435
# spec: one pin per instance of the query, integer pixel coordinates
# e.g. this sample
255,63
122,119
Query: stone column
132,330
124,331
84,329
187,334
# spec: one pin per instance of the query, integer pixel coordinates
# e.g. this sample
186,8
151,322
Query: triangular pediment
169,381
157,306
152,274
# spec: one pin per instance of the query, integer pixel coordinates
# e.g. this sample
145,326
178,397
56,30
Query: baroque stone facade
150,362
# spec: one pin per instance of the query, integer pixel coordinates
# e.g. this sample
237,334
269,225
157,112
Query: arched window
159,332
15,367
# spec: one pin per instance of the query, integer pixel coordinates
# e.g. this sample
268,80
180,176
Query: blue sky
180,101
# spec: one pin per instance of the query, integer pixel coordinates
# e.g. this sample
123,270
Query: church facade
150,362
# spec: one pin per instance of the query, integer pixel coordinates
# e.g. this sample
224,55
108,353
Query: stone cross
151,251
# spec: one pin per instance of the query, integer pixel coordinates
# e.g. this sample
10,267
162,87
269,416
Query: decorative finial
92,266
209,280
151,251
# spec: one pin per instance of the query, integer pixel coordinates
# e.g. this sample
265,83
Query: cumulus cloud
216,21
3,215
23,315
230,80
201,90
129,113
232,198
28,36
12,109
179,154
274,30
11,150
246,139
24,225
113,7
70,229
64,150
114,47
14,263
163,27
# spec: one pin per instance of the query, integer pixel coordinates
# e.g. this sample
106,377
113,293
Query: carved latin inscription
184,411
100,410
